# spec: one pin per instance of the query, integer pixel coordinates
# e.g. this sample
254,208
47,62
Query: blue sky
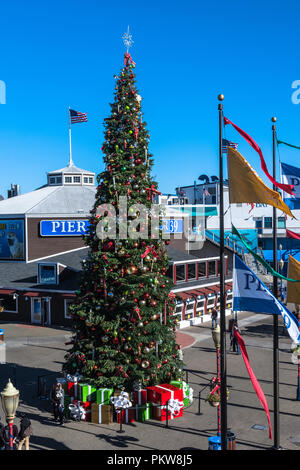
60,53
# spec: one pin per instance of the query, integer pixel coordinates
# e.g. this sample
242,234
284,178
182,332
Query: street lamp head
10,400
216,335
281,264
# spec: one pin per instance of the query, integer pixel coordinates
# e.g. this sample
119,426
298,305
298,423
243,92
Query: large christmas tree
124,332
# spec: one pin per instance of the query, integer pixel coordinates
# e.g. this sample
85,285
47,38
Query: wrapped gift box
86,393
158,395
142,412
72,388
103,396
101,414
139,397
67,401
187,391
128,415
87,407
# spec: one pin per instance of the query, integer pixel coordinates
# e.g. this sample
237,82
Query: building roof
51,200
20,276
71,168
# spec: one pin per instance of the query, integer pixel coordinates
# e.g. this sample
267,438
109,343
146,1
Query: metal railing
235,246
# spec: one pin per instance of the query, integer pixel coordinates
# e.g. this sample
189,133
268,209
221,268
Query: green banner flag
260,259
285,143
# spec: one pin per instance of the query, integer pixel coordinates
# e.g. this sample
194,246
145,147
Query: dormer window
55,179
47,273
76,179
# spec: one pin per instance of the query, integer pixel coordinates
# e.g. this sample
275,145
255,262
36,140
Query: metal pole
70,139
218,380
223,401
275,317
298,387
199,403
11,437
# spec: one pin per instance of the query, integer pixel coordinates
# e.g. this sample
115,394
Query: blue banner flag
251,295
291,175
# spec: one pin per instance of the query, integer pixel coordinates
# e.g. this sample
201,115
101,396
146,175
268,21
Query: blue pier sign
172,225
63,228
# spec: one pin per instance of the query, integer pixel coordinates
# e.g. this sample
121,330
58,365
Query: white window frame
66,301
55,266
17,304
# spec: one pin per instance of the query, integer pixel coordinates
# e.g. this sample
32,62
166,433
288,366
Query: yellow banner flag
246,186
293,288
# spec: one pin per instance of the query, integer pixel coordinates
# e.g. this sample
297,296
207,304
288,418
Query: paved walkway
40,355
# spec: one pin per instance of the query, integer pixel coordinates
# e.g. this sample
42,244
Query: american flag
206,193
77,116
227,143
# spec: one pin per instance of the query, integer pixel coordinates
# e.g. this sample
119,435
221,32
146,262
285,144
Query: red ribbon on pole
151,191
148,250
288,188
291,234
128,58
255,383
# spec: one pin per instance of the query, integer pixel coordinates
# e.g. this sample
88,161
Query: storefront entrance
40,311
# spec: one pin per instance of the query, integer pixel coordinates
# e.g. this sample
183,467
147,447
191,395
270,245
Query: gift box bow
77,412
173,406
122,401
73,378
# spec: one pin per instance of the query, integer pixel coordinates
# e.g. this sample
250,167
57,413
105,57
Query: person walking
214,318
25,432
57,398
234,342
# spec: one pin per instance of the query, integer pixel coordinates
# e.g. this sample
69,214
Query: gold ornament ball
220,97
274,119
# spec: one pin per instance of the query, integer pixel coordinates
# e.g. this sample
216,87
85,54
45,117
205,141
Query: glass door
36,311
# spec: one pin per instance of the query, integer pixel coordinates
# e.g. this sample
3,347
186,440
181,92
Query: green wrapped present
86,393
187,391
103,396
143,412
177,383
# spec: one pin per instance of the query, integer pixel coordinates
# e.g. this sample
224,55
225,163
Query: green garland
285,143
260,259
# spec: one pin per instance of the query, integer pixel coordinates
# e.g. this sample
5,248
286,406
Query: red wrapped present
72,388
139,397
128,415
80,410
165,397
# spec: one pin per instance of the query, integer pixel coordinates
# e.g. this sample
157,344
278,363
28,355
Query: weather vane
127,39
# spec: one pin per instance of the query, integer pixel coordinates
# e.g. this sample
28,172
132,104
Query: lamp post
216,335
10,402
281,265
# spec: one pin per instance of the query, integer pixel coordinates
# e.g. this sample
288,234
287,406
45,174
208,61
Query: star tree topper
127,39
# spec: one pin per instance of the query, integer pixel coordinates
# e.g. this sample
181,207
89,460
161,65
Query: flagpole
275,317
70,140
223,385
